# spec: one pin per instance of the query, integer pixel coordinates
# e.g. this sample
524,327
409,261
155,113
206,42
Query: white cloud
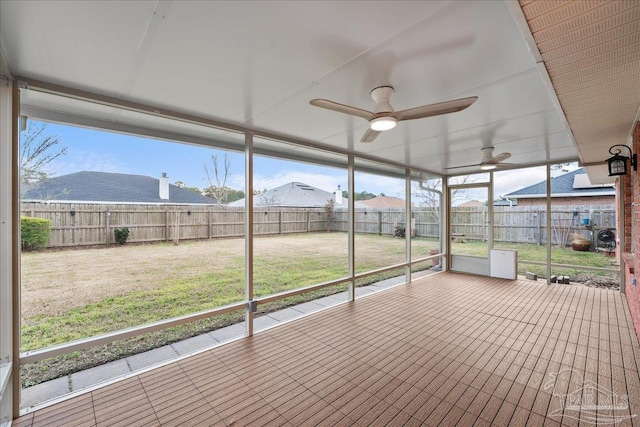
86,161
509,181
377,184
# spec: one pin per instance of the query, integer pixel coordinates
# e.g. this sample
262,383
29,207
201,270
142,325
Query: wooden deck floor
449,349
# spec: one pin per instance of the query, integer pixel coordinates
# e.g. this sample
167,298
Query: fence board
93,224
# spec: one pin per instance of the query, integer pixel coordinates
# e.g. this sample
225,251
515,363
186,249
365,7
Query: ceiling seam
144,45
354,59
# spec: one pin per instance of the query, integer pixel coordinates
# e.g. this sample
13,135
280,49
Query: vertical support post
248,233
209,224
408,231
15,269
280,222
308,221
490,230
549,239
9,252
351,290
379,223
445,231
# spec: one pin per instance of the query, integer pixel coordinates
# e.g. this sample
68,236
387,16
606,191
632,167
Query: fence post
73,229
209,224
379,223
166,225
280,221
539,219
107,219
308,221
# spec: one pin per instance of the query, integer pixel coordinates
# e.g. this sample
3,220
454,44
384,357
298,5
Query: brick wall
632,229
592,201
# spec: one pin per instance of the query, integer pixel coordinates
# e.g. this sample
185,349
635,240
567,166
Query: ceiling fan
489,161
383,117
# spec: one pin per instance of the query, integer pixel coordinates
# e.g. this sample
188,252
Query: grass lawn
529,252
73,294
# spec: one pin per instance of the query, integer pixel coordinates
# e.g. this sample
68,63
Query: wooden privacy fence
528,224
93,224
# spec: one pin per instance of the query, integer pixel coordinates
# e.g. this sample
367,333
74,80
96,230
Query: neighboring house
505,202
384,202
294,195
470,204
104,187
572,188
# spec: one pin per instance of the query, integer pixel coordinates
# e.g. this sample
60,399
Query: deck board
446,349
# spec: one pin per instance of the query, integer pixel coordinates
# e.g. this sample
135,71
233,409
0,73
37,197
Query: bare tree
37,151
329,210
428,195
267,199
217,177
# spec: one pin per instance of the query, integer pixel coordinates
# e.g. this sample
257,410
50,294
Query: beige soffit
591,50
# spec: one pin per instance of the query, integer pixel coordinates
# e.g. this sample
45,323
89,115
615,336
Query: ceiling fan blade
500,157
370,135
435,109
464,166
341,108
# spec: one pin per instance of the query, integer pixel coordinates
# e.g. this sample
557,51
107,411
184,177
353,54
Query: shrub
121,235
34,232
329,210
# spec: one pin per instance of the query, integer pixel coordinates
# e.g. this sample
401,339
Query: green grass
203,275
529,252
191,286
286,269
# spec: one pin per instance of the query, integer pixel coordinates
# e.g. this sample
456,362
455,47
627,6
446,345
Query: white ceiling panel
258,64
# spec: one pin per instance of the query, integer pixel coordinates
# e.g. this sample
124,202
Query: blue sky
91,150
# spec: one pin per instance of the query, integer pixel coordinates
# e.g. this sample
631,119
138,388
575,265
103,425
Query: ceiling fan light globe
488,167
383,123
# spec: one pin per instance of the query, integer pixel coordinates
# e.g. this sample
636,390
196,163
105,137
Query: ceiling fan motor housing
381,96
487,155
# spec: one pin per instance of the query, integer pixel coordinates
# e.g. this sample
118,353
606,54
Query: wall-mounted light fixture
73,212
618,164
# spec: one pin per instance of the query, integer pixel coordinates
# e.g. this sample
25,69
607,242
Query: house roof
471,203
293,194
104,187
571,184
505,202
384,202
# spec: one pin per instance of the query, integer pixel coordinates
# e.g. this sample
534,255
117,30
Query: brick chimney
338,194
